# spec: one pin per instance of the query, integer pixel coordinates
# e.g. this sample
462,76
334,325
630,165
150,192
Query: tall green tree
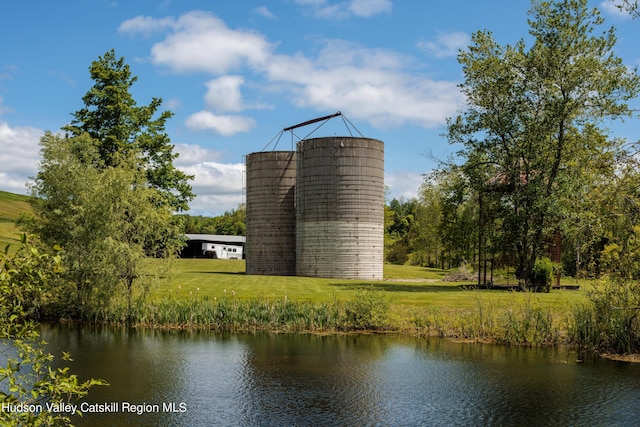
531,110
459,224
111,116
106,219
427,239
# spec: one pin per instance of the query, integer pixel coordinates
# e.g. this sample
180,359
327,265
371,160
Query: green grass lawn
11,205
409,288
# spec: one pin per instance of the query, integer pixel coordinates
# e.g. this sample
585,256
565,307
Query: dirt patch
632,358
459,277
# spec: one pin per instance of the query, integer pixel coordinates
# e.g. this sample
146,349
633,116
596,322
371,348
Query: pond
243,379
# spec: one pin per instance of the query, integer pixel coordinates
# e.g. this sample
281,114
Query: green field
11,205
413,292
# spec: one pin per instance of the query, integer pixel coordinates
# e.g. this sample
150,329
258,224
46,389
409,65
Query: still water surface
214,379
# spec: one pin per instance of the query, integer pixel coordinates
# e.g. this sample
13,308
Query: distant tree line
231,223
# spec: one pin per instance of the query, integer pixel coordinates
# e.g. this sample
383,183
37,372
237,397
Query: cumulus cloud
367,84
380,86
225,125
446,45
218,186
19,156
190,154
403,185
223,94
200,41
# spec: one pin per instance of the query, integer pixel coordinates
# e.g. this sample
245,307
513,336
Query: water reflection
270,379
295,378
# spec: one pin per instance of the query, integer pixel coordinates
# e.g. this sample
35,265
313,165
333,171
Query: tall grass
529,322
368,310
610,320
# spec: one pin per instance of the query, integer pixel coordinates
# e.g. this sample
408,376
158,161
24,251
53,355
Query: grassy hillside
11,205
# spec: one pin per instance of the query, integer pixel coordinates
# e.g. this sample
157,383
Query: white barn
214,246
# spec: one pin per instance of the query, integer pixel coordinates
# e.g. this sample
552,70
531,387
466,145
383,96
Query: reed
610,320
530,324
369,309
526,322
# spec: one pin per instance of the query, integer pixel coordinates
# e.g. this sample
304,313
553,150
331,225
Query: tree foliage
629,6
231,223
399,217
106,219
123,129
534,112
28,376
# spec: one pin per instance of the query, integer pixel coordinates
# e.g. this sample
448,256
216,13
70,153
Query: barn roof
216,238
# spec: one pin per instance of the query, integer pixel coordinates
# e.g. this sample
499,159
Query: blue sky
236,73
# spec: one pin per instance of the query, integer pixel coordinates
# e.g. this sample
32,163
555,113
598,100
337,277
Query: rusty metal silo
340,208
271,218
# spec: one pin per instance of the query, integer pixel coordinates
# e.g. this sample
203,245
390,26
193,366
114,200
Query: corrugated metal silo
340,208
271,217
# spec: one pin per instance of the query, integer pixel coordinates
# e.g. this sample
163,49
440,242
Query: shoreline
628,358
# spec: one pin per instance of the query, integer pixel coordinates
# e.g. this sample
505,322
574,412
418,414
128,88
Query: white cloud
368,84
264,11
403,185
225,125
613,8
446,45
366,8
344,9
202,42
145,25
19,156
218,186
223,94
190,154
214,204
380,86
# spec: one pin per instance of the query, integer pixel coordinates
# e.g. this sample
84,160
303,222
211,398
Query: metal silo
340,208
271,221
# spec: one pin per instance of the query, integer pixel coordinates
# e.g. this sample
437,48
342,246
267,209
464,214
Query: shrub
397,253
368,310
542,275
28,377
